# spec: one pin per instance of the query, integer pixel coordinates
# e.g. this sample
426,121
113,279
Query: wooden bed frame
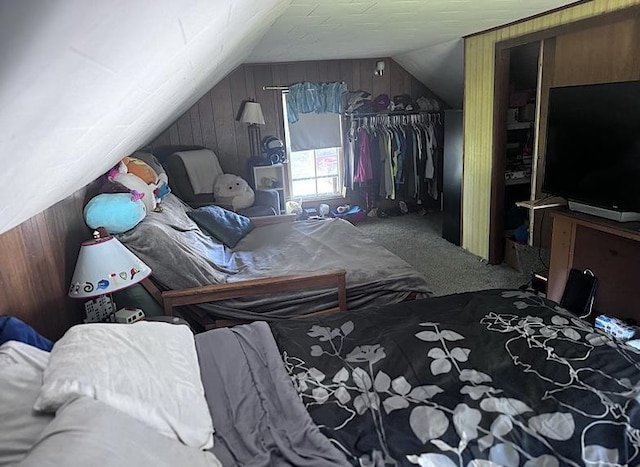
172,299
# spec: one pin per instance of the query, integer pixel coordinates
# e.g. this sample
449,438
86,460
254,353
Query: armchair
192,175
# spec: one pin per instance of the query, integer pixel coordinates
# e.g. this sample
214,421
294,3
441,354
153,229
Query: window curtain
319,98
313,112
315,131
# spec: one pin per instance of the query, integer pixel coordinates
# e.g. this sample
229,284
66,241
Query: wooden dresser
610,249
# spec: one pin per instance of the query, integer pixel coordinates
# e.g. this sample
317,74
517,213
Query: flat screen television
593,148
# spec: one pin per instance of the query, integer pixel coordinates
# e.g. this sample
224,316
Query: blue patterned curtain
314,97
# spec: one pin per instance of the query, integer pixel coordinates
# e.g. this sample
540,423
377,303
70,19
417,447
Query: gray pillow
226,226
87,432
21,367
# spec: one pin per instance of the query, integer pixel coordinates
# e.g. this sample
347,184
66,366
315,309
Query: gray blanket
180,256
258,418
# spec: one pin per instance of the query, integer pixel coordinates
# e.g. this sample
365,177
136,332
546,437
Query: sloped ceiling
85,83
424,36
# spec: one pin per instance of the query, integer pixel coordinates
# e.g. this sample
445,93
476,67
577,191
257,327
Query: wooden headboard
38,258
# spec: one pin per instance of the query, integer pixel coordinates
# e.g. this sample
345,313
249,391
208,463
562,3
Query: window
314,152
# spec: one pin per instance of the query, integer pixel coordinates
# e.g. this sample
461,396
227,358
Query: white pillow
148,370
21,367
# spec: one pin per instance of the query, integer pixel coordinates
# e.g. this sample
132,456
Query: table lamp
104,266
252,115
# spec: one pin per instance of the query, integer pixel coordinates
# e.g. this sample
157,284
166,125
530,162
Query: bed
182,255
496,377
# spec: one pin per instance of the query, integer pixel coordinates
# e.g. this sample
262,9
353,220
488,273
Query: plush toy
233,192
120,175
162,183
141,169
116,212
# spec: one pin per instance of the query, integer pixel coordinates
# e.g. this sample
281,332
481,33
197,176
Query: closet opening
517,74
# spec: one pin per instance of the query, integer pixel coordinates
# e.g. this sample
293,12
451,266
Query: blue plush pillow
226,226
13,329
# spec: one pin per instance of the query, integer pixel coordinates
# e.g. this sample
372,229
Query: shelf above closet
544,203
519,126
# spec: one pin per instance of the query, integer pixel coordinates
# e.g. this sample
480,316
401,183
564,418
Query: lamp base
99,309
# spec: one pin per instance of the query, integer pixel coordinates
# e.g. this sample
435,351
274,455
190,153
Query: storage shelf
544,203
517,181
519,126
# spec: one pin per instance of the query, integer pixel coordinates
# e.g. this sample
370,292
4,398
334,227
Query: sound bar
620,216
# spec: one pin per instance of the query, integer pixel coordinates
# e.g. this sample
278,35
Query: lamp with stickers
104,266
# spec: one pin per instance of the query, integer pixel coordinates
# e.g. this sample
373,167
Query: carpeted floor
447,268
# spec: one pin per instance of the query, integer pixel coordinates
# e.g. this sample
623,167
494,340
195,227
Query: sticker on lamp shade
74,288
123,275
114,278
103,284
134,271
88,287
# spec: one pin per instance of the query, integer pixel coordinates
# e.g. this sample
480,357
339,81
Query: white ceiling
85,83
424,36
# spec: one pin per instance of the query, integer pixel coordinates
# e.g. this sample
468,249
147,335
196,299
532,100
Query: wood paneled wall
38,259
212,121
480,53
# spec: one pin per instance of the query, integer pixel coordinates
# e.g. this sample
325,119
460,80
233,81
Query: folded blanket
258,417
202,168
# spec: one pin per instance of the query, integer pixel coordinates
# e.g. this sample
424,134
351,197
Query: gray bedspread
258,417
181,256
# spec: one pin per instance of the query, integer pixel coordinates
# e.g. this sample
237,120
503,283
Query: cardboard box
511,255
524,258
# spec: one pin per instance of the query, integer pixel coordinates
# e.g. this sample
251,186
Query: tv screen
593,145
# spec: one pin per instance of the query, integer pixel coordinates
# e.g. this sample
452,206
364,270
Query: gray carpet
447,268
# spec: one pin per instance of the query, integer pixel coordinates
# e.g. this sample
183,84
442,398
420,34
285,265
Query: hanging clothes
393,156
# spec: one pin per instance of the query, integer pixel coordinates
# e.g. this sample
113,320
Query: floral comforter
478,379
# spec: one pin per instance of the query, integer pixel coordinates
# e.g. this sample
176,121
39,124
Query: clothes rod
399,113
275,88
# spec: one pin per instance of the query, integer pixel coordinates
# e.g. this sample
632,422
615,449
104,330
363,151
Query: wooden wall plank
223,116
207,122
239,95
296,73
217,110
173,135
279,74
185,133
346,72
366,76
333,71
611,57
38,259
396,82
194,116
357,79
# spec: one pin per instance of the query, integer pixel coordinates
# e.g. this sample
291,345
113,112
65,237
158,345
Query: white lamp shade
104,266
252,113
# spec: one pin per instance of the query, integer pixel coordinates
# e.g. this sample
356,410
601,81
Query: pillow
21,367
87,432
13,329
147,370
226,226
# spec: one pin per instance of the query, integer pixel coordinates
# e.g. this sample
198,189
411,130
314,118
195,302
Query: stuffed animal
116,212
162,182
233,192
120,175
141,169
